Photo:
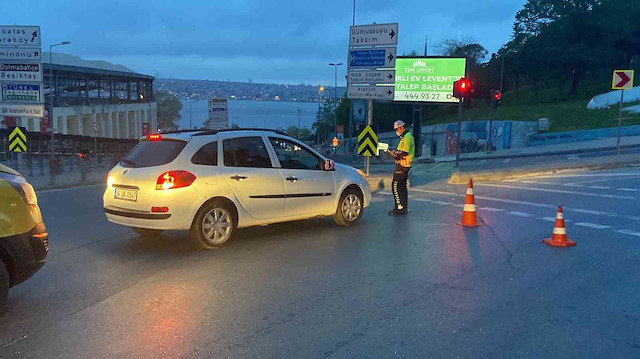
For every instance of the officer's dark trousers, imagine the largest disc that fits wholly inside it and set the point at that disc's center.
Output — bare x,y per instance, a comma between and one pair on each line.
399,187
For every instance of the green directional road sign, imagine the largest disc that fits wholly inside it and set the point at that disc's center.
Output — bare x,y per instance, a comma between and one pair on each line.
17,140
367,142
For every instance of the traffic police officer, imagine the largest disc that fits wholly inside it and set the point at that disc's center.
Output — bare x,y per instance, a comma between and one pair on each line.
404,157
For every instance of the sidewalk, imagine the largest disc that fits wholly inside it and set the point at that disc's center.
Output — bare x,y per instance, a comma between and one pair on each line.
603,144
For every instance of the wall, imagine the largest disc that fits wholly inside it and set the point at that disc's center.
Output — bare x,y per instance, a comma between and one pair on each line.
442,137
554,138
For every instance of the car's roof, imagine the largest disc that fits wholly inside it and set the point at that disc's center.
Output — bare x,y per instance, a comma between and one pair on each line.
186,135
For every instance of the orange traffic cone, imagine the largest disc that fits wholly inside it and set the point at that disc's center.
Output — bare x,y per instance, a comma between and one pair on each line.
559,236
469,210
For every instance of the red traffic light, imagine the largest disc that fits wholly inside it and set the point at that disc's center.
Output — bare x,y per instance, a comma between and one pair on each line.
497,95
461,88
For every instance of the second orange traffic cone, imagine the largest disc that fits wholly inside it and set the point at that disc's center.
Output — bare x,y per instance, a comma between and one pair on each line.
559,237
469,210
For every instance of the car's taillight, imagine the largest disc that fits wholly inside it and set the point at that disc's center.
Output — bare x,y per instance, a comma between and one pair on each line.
175,179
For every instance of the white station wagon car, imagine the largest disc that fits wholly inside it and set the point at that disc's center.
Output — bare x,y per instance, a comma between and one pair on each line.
212,182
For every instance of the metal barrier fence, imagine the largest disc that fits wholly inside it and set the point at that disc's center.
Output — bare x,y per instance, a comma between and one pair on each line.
37,160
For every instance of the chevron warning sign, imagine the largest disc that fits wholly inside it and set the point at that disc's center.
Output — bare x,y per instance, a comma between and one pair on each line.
367,142
17,140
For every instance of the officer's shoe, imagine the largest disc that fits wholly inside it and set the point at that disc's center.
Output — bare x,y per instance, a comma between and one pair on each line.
397,212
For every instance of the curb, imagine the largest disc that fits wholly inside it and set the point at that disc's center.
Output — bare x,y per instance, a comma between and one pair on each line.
553,153
463,177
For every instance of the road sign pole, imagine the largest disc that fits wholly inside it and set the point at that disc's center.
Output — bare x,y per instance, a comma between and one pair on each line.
489,139
620,119
367,159
459,133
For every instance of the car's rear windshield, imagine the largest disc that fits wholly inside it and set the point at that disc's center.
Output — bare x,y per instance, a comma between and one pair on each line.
153,153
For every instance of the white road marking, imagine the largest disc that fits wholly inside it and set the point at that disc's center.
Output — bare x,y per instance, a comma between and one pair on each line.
507,160
553,219
442,203
491,209
512,201
510,180
592,225
482,162
459,205
385,193
599,187
421,199
519,214
607,174
556,191
573,157
628,189
548,183
572,185
628,231
528,182
377,200
587,211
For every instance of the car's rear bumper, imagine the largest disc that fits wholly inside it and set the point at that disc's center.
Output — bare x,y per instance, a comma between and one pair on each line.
143,219
26,252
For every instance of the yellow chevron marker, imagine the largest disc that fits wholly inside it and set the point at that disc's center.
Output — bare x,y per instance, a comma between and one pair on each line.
17,140
367,142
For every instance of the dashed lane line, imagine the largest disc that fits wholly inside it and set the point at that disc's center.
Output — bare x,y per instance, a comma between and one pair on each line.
519,214
572,185
556,191
527,215
627,189
553,219
629,232
528,182
587,211
592,225
491,209
507,160
599,187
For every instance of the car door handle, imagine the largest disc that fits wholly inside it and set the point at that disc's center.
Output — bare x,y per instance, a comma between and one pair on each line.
238,178
292,179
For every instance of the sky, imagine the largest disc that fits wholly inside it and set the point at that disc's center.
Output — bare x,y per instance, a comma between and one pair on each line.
272,41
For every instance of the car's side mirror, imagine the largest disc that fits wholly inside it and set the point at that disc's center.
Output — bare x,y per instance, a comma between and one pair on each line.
329,165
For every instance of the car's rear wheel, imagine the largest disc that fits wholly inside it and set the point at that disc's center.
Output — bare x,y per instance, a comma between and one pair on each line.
350,208
213,226
146,232
5,283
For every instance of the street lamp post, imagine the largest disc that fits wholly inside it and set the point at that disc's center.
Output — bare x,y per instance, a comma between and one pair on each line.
52,87
320,89
191,103
335,96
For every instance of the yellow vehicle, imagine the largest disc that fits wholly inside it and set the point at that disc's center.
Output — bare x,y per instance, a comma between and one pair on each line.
23,236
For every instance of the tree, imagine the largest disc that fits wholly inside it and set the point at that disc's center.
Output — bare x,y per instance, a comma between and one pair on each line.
463,47
301,134
169,107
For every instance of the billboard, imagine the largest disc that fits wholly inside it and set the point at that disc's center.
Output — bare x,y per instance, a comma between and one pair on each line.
427,79
218,114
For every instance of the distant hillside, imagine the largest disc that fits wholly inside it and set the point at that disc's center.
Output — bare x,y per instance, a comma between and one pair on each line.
243,90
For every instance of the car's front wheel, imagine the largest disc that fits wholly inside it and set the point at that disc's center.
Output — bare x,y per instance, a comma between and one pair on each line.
350,208
146,232
213,226
4,286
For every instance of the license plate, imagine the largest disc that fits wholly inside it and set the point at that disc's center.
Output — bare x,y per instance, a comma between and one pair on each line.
126,194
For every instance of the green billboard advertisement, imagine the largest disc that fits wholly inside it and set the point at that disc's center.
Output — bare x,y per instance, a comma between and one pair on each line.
427,79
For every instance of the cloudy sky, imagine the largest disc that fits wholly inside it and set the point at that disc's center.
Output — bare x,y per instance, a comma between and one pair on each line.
278,41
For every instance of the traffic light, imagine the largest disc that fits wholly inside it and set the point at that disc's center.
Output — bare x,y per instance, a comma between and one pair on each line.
461,88
497,96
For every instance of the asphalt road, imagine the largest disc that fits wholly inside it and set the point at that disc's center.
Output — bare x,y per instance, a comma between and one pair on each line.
412,286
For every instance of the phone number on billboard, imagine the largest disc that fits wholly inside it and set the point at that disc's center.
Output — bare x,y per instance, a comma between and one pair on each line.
434,96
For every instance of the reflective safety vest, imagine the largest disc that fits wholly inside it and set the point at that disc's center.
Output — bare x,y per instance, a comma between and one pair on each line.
408,145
